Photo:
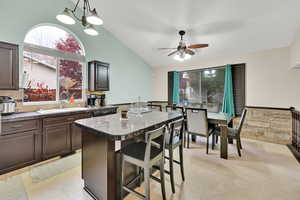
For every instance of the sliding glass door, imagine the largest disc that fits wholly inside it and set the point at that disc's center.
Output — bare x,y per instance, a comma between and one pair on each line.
203,88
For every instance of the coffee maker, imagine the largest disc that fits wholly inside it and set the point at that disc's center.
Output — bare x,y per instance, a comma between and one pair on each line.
94,100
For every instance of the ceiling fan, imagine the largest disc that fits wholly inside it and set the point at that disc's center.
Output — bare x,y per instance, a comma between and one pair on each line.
184,52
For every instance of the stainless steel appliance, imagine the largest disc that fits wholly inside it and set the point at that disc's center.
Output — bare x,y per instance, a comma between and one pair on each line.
7,105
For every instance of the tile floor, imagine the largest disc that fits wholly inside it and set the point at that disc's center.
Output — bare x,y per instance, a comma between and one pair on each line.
265,171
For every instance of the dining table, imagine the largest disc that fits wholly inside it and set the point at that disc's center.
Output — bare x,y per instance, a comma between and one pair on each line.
217,118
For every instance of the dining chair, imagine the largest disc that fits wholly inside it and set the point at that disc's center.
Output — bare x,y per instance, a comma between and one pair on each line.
174,140
170,108
155,107
197,124
145,154
234,133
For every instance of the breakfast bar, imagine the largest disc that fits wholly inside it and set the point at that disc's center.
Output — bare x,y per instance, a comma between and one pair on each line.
102,138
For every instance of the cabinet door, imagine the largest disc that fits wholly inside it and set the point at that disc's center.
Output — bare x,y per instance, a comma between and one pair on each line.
76,132
57,140
9,66
102,77
76,137
19,150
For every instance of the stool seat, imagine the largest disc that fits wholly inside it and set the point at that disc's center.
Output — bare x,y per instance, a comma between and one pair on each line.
138,150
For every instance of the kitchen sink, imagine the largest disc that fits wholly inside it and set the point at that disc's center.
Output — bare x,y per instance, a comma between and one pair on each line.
62,110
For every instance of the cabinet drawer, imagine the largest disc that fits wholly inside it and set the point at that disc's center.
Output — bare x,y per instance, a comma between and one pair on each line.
20,126
58,120
64,119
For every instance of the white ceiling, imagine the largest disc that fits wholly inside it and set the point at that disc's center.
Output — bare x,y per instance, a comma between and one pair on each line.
231,27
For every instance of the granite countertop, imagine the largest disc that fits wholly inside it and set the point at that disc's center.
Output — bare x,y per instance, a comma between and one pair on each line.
118,128
34,115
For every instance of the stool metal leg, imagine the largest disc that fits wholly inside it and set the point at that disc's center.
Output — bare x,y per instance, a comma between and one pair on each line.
122,177
162,179
147,182
171,169
181,161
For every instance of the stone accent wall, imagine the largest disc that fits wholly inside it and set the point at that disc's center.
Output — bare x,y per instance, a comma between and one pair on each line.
268,125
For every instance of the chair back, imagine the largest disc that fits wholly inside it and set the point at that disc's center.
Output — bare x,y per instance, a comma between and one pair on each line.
150,136
176,129
197,121
170,108
240,126
155,107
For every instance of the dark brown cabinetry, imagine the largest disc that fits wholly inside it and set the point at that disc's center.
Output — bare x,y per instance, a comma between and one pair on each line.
9,66
60,135
56,140
98,76
19,148
25,142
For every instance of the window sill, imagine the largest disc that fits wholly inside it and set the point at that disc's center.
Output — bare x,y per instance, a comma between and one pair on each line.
50,103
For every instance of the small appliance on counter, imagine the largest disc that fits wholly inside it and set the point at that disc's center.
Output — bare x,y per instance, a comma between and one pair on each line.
7,105
96,100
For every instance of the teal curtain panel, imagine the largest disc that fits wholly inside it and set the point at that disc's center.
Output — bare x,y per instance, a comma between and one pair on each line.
176,87
228,101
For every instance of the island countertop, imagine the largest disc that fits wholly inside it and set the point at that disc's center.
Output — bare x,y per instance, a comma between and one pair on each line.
120,129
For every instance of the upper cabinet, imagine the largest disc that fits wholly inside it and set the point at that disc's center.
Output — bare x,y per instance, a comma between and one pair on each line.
9,66
98,76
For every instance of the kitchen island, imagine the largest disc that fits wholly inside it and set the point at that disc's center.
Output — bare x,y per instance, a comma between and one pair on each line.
102,138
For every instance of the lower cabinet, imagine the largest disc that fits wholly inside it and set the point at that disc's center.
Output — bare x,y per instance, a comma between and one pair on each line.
19,150
75,137
26,142
56,140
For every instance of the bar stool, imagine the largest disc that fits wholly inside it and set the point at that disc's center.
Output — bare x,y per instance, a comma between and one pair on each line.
173,140
145,155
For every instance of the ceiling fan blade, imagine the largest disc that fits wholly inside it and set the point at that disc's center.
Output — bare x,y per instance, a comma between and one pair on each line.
188,51
197,46
166,48
170,54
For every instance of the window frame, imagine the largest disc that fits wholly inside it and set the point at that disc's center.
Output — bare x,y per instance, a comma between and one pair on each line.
243,101
58,54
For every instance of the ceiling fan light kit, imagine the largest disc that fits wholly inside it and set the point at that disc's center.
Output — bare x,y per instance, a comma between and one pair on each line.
184,52
89,18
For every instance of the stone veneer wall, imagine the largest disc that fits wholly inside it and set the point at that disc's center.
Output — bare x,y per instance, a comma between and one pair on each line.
268,125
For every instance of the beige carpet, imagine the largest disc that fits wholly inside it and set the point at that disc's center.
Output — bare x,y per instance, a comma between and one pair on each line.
265,172
56,167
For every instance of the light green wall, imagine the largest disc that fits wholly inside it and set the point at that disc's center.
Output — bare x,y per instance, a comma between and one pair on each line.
130,76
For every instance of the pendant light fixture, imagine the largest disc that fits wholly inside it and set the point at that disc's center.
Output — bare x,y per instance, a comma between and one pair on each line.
89,18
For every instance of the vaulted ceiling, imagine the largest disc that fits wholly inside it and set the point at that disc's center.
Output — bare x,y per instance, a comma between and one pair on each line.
231,27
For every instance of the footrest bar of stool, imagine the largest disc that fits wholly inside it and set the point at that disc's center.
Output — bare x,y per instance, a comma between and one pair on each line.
134,179
155,178
177,162
134,193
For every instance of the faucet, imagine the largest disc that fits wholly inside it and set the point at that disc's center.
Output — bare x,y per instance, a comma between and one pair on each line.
61,104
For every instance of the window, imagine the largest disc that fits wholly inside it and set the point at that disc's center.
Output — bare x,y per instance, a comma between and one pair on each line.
53,65
203,88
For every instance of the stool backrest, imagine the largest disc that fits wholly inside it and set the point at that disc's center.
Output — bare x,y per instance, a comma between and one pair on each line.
197,120
176,129
150,136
